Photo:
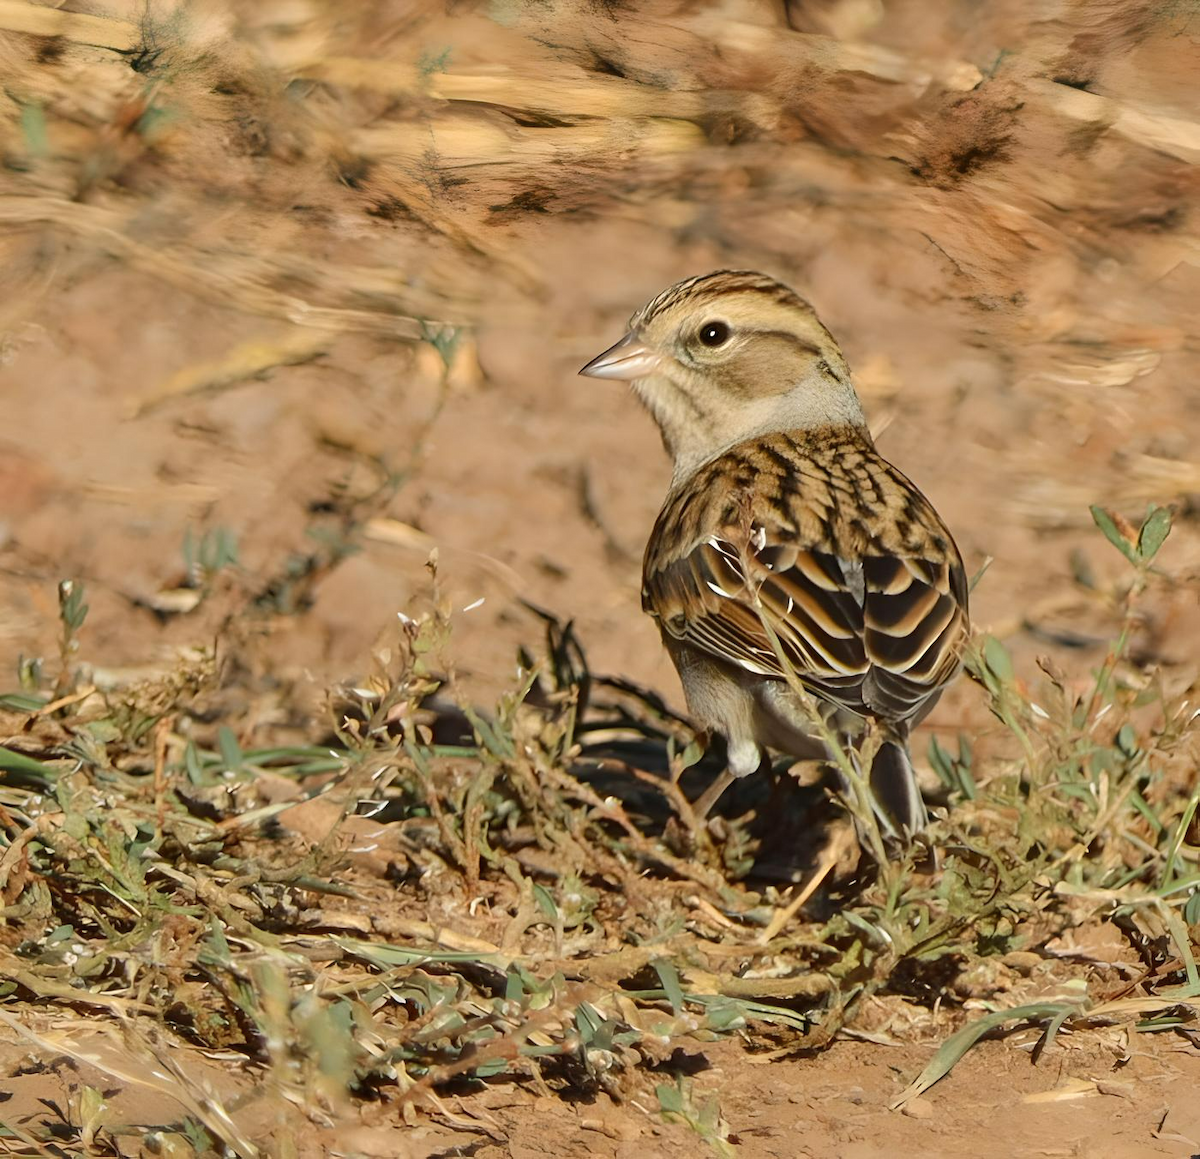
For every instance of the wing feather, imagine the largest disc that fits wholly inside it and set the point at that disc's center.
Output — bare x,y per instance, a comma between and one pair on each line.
847,562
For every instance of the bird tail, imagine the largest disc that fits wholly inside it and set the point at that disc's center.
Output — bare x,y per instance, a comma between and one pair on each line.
897,794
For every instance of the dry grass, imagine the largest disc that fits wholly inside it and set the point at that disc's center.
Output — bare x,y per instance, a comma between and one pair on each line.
410,895
181,141
503,914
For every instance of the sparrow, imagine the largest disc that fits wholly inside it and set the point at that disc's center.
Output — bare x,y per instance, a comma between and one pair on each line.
787,539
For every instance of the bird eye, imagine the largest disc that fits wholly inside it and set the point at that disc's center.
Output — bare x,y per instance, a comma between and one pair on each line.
714,333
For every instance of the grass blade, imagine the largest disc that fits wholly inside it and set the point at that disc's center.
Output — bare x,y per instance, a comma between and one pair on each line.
957,1045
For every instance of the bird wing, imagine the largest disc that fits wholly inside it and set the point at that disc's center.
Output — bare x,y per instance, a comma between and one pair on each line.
830,546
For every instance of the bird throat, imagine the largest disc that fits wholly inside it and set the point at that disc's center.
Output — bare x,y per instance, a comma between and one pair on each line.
696,427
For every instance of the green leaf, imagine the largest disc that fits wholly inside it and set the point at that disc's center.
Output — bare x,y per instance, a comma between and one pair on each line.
20,702
874,936
997,659
957,1045
192,764
1048,1035
724,1016
1127,740
71,606
1140,804
669,977
1183,946
388,957
964,750
1181,828
26,772
587,1022
514,988
940,760
18,762
545,901
1155,529
670,1098
216,945
494,740
1104,521
1191,911
231,751
105,731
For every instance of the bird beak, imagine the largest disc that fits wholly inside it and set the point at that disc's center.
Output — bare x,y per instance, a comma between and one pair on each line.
629,359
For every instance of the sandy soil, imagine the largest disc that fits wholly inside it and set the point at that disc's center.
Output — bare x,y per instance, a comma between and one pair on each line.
1084,1099
1008,253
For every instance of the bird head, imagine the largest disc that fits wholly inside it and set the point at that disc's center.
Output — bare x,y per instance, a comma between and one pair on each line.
727,356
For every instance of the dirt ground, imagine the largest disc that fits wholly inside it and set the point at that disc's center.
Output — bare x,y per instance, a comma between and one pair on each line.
1084,1100
208,331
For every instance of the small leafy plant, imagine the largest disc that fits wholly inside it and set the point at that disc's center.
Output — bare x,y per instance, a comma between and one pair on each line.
527,919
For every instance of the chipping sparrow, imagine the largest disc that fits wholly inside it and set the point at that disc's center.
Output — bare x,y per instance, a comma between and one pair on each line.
782,514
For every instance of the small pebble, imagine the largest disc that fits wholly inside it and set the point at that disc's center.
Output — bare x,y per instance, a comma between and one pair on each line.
918,1109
